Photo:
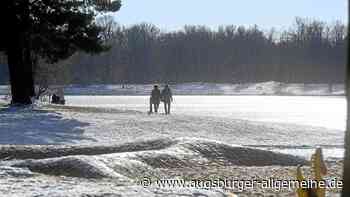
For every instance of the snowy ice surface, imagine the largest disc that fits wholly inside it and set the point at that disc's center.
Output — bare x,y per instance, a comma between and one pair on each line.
97,126
205,128
247,120
200,136
329,112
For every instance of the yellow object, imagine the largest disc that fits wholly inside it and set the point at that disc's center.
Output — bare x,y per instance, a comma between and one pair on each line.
302,192
319,169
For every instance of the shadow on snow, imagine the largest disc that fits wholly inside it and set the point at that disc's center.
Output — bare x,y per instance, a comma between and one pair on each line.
30,126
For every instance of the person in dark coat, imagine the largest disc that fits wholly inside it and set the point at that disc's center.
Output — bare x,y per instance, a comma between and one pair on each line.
155,99
167,98
55,99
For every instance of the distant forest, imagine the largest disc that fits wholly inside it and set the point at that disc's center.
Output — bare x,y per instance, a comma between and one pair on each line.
310,51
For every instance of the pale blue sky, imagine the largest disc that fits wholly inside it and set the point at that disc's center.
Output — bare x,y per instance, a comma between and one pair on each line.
174,14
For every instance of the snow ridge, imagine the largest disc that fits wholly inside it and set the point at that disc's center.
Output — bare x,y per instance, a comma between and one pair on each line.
183,152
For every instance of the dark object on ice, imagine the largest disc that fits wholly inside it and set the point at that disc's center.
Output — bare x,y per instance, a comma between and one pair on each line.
155,99
167,98
57,100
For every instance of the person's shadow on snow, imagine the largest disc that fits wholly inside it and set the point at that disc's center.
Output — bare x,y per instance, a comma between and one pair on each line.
27,126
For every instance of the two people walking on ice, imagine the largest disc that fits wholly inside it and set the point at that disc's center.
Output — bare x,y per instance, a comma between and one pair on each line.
157,96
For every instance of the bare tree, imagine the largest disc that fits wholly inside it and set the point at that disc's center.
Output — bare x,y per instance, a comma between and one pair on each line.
309,52
109,27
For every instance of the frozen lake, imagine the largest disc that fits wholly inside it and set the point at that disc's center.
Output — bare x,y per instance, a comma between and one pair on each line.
328,112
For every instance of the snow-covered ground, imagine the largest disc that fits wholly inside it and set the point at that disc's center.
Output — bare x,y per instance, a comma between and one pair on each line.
110,125
81,125
112,148
103,145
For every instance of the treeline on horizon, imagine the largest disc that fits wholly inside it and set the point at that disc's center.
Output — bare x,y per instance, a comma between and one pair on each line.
310,51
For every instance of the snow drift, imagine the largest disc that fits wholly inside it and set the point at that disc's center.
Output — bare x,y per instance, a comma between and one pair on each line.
144,157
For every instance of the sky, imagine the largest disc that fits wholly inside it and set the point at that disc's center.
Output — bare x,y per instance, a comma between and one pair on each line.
174,14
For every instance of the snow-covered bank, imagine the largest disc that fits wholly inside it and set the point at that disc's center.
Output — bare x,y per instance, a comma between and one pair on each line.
18,182
106,151
199,88
88,126
85,173
67,125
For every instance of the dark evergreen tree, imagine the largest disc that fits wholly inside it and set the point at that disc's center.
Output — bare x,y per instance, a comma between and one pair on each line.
50,30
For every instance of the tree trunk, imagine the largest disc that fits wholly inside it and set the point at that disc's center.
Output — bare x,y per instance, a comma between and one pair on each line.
19,54
20,68
346,173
